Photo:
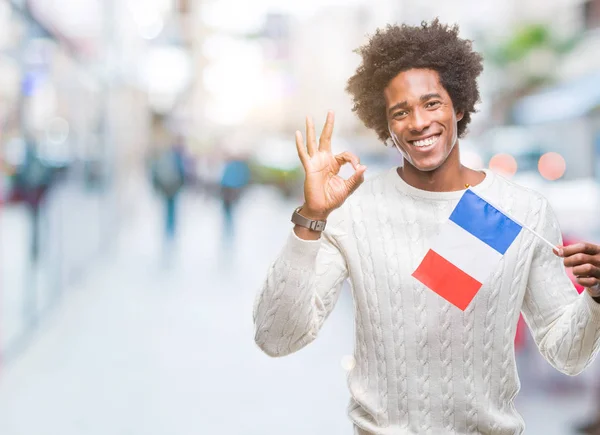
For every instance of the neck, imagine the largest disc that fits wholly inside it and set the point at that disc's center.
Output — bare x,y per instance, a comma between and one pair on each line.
450,176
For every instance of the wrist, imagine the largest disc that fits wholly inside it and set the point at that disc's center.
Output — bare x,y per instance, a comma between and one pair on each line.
594,292
306,233
313,214
309,225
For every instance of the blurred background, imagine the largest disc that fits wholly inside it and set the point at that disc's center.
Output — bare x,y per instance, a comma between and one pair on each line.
148,175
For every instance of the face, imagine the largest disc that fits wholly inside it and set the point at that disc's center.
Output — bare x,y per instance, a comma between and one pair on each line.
421,118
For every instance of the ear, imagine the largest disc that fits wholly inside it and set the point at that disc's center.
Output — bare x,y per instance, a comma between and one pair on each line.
459,116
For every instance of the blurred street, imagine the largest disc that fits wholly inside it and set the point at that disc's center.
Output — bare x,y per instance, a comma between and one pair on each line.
147,347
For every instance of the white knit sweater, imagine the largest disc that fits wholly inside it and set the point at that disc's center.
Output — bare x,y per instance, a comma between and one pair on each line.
422,365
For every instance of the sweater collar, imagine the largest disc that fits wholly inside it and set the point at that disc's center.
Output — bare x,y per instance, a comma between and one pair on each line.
407,189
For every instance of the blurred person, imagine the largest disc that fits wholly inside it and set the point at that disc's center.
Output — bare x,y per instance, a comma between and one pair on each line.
591,426
32,180
168,177
422,365
235,178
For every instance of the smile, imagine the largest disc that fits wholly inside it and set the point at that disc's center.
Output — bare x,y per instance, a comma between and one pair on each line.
425,142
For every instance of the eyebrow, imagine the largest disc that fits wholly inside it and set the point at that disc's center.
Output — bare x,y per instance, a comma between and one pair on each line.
404,104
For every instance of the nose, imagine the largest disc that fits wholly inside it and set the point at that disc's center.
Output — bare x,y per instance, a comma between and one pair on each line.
419,121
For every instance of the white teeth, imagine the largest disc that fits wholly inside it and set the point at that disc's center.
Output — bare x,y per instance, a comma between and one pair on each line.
425,142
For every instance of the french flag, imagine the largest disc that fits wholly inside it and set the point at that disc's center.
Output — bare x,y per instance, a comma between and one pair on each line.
467,250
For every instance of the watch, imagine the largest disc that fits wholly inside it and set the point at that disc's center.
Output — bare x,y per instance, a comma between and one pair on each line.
298,219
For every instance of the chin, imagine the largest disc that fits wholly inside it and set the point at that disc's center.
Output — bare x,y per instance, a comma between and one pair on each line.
426,166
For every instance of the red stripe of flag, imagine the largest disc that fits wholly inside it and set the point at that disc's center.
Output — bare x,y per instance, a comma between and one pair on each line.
447,280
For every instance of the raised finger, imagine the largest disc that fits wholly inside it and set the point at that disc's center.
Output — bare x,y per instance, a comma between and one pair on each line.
580,248
311,142
348,157
578,259
301,149
325,139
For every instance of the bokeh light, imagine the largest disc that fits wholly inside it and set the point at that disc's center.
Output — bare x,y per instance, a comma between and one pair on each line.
348,362
505,164
57,130
552,166
471,159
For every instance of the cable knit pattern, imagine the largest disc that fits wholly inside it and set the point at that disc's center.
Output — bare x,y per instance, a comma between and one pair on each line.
559,320
362,369
505,204
469,368
442,211
506,391
446,357
273,305
422,365
366,263
422,359
394,297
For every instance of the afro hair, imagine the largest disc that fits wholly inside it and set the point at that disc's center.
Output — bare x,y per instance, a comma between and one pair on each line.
395,49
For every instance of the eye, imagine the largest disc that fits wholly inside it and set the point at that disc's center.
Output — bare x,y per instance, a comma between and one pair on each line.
432,104
400,114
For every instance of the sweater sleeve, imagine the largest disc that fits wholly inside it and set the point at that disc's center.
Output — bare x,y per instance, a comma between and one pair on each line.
300,291
564,324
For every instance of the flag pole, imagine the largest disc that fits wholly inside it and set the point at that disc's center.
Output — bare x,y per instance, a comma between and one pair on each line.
542,238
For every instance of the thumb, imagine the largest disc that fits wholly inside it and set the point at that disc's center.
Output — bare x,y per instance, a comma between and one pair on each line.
356,179
557,250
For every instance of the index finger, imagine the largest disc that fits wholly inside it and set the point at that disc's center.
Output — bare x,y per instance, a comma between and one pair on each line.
580,248
348,157
325,139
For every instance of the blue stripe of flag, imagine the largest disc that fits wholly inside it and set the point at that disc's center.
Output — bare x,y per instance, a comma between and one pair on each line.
485,222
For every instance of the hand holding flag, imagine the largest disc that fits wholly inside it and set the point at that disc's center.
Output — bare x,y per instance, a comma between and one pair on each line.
584,258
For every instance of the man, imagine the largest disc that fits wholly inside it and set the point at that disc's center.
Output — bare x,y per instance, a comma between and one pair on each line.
32,182
423,366
235,178
168,177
